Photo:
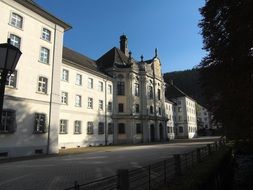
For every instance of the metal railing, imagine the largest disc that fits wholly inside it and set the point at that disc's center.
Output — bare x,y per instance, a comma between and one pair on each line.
154,175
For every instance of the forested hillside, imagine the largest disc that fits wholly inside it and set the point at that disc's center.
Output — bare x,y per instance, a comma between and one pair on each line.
188,82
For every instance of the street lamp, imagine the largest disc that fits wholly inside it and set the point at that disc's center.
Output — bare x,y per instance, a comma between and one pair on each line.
9,56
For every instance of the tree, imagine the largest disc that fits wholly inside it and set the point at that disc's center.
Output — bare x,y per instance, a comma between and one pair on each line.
226,73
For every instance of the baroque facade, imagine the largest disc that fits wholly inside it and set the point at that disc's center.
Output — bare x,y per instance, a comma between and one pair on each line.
58,98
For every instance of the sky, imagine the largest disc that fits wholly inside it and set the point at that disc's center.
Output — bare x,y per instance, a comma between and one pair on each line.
171,26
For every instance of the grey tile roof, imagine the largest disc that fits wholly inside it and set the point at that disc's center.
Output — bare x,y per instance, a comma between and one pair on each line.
114,57
77,58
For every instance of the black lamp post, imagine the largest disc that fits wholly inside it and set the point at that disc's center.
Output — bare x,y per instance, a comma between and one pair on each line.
9,56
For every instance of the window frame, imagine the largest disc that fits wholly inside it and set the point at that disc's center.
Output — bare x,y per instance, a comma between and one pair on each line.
121,128
42,58
138,128
120,88
101,104
100,86
66,97
11,76
43,36
120,108
79,131
101,128
90,103
63,128
90,128
90,83
16,36
12,120
79,81
79,102
46,83
16,25
37,128
65,75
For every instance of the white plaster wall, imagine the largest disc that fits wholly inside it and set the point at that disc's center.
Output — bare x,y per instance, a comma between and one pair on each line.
24,98
71,113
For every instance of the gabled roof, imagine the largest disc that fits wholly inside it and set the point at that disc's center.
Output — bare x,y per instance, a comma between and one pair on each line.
173,91
77,58
114,57
30,4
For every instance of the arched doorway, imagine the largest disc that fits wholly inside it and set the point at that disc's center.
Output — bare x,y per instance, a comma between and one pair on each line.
161,131
152,133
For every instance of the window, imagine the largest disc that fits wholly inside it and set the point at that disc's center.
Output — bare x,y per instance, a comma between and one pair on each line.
136,90
78,101
65,75
137,108
15,40
109,89
180,129
42,85
78,79
179,109
121,107
16,20
64,97
150,92
100,86
89,128
46,34
8,121
179,102
109,106
101,104
90,103
101,128
44,55
77,125
138,128
11,80
159,111
121,128
110,128
63,126
159,94
179,118
90,83
40,123
151,110
121,88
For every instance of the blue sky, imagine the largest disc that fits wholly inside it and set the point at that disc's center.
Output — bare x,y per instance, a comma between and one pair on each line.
169,25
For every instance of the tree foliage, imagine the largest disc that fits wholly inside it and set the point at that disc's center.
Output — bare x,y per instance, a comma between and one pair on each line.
226,72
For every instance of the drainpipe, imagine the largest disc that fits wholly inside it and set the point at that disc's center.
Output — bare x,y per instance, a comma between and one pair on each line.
106,134
51,94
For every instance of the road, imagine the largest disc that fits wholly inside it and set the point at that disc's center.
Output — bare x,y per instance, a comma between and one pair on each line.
60,172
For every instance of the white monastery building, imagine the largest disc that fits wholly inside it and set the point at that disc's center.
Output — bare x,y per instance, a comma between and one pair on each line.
59,98
185,119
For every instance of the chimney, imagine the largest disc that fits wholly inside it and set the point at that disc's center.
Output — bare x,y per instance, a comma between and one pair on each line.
123,44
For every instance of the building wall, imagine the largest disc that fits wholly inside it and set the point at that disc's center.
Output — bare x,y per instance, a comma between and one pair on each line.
170,123
71,112
185,117
25,98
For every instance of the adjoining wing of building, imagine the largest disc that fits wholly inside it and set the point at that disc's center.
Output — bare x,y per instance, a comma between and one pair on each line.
59,98
185,119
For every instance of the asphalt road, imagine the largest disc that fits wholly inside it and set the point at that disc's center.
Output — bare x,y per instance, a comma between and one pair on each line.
61,172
